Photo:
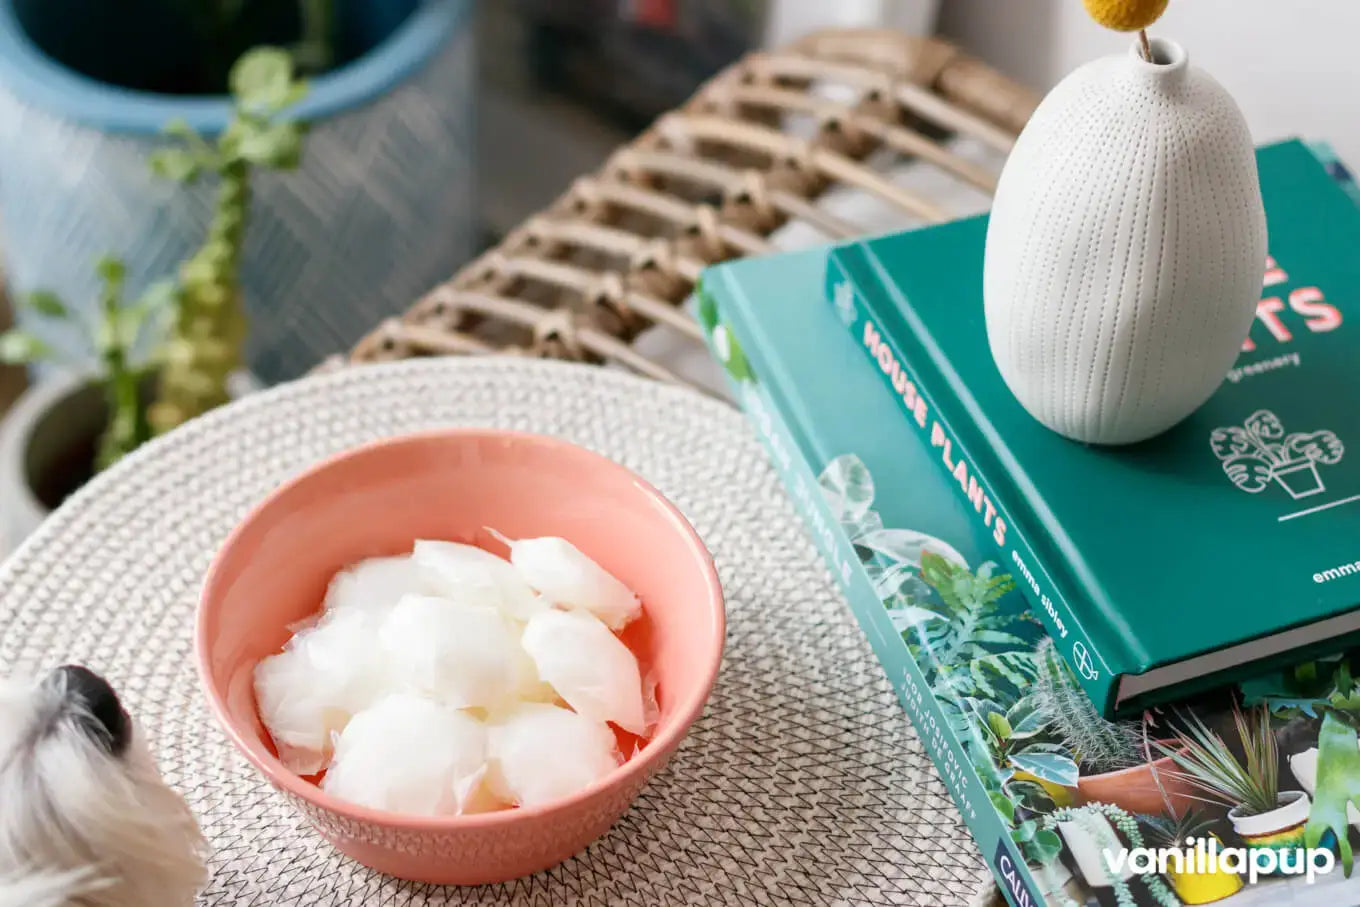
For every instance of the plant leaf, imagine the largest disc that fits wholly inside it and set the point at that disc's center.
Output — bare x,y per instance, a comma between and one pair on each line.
1230,442
110,269
1018,668
1250,473
1042,747
1051,767
995,637
262,80
1045,846
46,303
905,618
896,580
706,310
1265,424
1025,718
278,145
906,546
870,522
20,348
1003,805
179,128
1323,446
1338,787
176,164
848,488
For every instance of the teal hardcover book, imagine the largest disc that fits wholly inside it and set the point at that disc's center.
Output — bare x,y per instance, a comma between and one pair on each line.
1229,544
1047,787
996,708
874,507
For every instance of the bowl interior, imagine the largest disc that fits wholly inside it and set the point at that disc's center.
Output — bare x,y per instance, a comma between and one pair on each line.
377,500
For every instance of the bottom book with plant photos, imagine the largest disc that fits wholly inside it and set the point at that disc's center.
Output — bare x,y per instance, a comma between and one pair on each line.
1262,780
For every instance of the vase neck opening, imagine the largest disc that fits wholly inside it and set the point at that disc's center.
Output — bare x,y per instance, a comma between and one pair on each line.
1169,60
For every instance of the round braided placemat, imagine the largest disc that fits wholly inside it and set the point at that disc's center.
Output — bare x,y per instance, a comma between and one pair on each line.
803,782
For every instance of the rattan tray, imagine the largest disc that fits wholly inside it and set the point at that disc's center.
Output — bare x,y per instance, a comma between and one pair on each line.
753,152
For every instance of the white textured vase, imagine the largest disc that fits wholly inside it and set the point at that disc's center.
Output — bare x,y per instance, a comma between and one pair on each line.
1126,248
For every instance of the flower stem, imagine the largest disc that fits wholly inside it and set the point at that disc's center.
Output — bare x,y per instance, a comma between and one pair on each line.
1147,45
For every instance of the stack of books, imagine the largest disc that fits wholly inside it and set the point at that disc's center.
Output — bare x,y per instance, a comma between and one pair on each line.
1108,652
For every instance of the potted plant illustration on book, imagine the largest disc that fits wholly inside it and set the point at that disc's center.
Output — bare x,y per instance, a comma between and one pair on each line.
1193,884
1323,699
1017,746
1115,764
1259,452
1094,830
967,638
1265,817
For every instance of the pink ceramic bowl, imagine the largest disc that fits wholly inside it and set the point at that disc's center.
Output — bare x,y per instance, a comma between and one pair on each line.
376,500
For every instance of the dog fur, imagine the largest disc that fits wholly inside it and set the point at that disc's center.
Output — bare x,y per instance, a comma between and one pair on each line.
85,822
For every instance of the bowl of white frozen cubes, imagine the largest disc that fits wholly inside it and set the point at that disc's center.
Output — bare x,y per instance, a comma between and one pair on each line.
461,653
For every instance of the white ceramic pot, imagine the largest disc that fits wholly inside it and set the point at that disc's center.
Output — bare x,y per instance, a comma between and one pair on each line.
1126,248
1292,813
1088,852
1304,767
50,429
47,445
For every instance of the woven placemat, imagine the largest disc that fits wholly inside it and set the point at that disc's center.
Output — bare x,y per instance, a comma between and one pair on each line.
803,782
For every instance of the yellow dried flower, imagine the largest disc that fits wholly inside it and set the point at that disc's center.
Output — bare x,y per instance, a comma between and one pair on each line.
1125,15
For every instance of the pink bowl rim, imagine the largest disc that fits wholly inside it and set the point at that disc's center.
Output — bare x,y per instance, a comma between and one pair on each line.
639,767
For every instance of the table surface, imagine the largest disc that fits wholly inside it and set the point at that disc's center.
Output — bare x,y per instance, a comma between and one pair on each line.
802,783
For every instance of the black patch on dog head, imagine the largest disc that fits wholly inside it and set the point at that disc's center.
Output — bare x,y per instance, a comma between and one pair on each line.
95,707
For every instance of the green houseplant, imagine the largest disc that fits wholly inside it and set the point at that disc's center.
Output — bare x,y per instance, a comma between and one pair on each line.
1014,741
379,210
1022,804
114,336
205,346
1329,771
966,629
189,330
1191,885
1115,764
1248,782
1094,829
949,615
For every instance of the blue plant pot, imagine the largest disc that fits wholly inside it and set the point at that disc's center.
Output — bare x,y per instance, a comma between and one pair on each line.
381,209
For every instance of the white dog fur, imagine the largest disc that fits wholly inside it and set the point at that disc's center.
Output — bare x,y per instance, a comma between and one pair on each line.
85,817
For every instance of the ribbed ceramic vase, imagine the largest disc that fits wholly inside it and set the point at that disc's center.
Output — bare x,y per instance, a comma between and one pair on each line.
1126,248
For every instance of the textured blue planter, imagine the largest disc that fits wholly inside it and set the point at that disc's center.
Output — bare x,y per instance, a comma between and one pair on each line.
381,209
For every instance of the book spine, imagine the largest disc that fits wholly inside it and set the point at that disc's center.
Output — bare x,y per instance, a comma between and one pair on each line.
926,407
946,751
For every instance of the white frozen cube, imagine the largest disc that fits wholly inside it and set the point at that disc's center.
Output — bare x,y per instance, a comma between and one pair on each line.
530,687
539,753
566,576
377,584
409,754
324,675
472,575
588,666
464,655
